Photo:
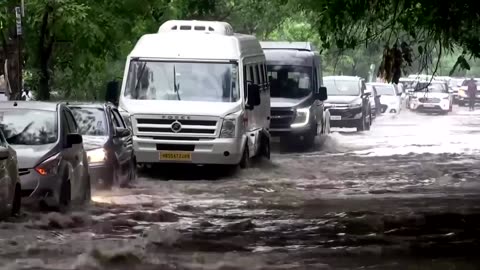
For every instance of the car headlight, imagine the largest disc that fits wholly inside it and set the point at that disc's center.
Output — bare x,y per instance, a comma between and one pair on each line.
354,105
302,117
228,127
97,155
49,166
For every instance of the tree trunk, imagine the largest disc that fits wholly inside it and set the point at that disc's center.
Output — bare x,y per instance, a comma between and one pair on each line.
45,47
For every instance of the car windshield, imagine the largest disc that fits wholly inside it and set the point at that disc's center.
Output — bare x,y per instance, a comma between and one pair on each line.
154,80
385,90
342,87
290,81
29,127
432,87
91,121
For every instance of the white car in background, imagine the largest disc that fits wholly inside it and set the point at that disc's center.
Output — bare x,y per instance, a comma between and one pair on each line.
431,96
390,98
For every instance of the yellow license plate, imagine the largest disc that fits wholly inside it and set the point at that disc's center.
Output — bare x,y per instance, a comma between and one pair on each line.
176,156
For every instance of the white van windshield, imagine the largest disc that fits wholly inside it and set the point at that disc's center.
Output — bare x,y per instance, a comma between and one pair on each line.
154,80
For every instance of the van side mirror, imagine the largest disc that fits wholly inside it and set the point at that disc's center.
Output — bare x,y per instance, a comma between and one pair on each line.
321,94
72,139
112,94
253,96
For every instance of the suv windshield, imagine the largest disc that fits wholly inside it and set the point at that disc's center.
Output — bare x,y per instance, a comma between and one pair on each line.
290,81
342,87
432,87
91,121
154,80
385,90
29,127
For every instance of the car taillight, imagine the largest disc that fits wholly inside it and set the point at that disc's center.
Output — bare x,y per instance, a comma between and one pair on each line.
49,166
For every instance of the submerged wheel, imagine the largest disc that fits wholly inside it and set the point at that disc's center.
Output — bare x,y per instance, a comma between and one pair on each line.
17,201
65,197
361,125
245,161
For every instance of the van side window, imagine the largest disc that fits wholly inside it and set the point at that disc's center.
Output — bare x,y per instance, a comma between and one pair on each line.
263,74
258,80
251,78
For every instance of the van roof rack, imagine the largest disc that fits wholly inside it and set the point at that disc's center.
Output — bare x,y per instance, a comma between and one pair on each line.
222,28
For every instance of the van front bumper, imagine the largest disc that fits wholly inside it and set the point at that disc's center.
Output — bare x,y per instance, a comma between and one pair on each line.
221,151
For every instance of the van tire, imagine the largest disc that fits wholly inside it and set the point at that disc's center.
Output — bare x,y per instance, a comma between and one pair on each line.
245,161
265,147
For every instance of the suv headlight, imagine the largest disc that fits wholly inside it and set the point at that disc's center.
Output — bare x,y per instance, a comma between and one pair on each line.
96,155
302,117
229,125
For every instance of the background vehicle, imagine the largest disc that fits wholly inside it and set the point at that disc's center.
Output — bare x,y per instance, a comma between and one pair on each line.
295,75
374,98
52,163
108,143
197,93
462,96
454,84
348,102
431,96
10,188
390,99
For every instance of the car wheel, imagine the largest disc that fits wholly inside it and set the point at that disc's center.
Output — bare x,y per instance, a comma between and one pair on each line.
369,124
245,161
87,195
266,147
17,201
65,197
361,125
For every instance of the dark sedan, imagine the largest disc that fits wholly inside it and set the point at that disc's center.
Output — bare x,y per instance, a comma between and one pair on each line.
108,142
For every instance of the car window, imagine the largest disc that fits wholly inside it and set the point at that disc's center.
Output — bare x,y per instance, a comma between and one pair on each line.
29,126
339,87
72,125
118,121
91,121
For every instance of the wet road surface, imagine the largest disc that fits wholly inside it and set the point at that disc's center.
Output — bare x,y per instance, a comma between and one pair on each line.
404,195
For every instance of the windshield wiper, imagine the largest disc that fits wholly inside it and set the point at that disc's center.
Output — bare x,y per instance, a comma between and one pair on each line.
175,86
137,83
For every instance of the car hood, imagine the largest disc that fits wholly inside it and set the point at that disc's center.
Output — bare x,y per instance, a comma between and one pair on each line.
343,99
279,102
30,155
94,142
175,107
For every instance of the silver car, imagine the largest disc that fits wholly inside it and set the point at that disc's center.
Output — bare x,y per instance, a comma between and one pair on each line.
53,165
10,190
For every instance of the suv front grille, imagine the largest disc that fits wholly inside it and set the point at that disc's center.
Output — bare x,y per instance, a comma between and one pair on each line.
429,100
281,118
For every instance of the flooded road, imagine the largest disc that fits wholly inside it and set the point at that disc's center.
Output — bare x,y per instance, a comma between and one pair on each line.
404,195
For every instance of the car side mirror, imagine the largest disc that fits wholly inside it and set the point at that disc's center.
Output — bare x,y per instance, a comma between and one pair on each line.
253,96
4,153
367,94
112,93
322,94
122,132
73,139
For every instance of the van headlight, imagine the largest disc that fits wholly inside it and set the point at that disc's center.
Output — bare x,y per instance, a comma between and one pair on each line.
97,155
228,127
302,117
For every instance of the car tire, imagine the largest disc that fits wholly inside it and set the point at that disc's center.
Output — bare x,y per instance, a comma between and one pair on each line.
245,161
367,126
87,195
361,125
266,147
17,201
65,197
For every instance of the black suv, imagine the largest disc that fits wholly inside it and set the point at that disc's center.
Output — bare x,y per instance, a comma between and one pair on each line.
108,142
348,102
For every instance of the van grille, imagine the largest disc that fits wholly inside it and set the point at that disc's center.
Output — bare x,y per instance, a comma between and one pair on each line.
156,126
